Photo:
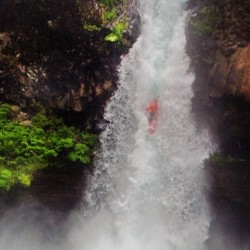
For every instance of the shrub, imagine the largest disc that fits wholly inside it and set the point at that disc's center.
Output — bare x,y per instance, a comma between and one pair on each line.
204,21
109,15
26,149
91,28
116,34
108,2
221,159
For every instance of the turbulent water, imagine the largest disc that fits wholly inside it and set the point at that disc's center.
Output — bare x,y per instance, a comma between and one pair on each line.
147,191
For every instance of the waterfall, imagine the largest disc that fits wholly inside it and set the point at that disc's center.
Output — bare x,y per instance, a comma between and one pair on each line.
147,190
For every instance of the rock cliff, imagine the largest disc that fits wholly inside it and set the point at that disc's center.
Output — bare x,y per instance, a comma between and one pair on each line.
218,43
55,53
63,55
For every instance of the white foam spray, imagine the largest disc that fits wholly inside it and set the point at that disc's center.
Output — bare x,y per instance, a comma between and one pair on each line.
146,193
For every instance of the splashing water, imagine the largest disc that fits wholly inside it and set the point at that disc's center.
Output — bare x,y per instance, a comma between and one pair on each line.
147,189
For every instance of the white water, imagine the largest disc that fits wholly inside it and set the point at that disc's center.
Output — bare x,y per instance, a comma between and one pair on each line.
146,193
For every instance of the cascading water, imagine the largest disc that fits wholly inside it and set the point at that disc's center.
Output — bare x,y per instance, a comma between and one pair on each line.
147,189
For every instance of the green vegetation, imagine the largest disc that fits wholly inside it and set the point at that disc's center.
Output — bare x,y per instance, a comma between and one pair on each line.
204,21
112,17
91,28
221,159
208,60
116,34
30,145
109,15
108,2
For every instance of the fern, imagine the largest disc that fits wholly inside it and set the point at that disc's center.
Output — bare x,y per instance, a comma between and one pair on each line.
116,34
27,149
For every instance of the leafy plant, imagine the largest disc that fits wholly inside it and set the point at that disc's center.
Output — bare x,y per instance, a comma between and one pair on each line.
108,2
91,28
204,21
116,34
26,149
109,15
221,159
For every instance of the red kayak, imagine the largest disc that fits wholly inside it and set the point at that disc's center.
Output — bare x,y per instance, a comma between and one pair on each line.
152,116
152,128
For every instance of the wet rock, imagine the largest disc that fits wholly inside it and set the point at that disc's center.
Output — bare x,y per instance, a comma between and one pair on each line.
59,189
59,62
230,50
239,73
222,103
242,44
5,38
49,59
219,76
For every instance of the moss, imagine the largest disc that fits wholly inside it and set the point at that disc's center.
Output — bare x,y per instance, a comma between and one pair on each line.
108,2
113,17
221,159
109,15
26,149
116,34
204,21
208,60
91,28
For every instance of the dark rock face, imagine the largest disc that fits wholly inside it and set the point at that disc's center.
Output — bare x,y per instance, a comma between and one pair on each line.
229,196
48,58
220,60
60,190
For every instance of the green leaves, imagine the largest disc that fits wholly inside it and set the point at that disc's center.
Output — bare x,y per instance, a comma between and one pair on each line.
108,2
5,179
5,113
204,21
117,32
80,153
111,38
24,179
26,149
110,15
91,27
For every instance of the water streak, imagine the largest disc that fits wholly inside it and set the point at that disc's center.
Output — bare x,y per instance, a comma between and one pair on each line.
147,189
